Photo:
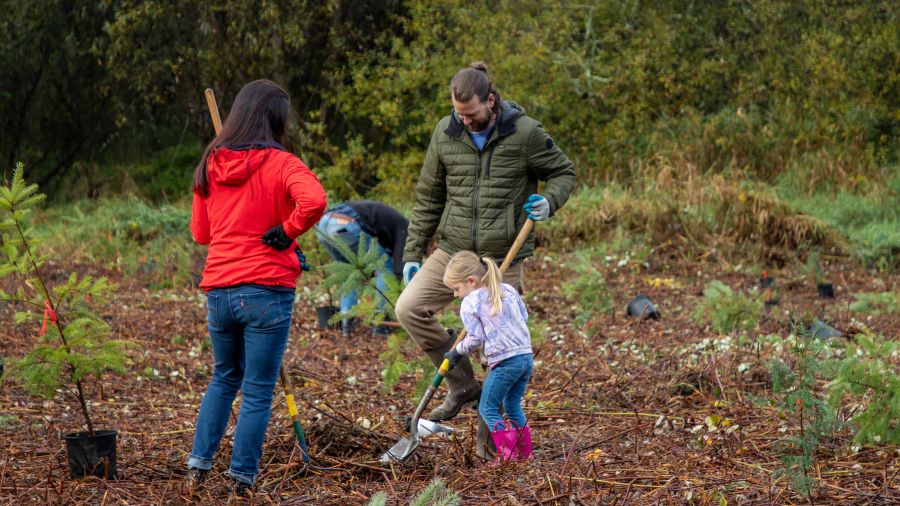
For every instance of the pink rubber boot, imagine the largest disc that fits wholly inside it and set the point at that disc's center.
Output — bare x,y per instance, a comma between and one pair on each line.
512,442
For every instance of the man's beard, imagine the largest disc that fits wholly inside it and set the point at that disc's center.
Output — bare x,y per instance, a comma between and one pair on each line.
481,125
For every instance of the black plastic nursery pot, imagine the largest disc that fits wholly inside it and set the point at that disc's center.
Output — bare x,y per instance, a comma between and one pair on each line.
642,307
92,455
826,290
324,313
770,298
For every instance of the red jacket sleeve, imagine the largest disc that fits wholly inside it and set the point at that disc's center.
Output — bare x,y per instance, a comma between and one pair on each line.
199,220
307,193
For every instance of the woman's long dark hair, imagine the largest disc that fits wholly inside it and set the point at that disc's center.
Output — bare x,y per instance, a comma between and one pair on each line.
260,114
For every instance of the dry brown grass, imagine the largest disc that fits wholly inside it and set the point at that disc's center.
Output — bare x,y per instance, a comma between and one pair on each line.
674,202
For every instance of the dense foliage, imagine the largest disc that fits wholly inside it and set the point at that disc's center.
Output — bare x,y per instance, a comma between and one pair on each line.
757,87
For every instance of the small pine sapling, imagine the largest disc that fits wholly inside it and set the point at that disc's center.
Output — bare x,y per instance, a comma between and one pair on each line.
316,257
74,348
358,272
813,267
798,399
435,494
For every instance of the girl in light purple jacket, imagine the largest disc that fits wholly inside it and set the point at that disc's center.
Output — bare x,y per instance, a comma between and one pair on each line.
494,315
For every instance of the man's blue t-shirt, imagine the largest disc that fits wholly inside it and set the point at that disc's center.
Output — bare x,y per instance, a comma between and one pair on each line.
480,138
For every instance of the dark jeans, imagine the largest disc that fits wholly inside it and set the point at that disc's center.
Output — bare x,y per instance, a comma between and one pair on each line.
248,327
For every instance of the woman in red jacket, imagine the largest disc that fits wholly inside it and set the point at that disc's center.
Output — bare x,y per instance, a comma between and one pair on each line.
251,199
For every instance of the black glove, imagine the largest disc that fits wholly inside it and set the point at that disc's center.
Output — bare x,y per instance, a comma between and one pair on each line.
453,357
276,238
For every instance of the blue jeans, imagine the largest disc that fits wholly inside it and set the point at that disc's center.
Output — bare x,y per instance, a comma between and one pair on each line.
248,327
350,234
505,384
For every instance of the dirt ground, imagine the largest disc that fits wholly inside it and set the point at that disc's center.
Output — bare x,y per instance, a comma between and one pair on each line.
620,410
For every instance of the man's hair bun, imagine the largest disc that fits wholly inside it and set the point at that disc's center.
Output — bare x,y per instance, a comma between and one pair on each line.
478,65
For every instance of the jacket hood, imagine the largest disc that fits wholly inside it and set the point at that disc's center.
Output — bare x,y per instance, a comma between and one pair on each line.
506,120
233,165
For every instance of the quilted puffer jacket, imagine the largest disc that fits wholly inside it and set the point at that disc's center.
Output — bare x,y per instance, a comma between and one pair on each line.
473,199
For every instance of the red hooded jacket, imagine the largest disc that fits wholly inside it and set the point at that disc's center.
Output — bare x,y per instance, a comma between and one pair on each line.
251,191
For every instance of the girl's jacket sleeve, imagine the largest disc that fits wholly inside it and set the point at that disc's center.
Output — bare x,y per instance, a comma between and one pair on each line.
307,193
475,335
199,220
521,305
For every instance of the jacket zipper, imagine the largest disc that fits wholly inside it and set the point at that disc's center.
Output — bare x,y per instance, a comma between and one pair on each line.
475,204
487,174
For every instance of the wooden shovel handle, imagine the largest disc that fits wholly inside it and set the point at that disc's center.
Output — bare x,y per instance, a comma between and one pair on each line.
213,110
517,245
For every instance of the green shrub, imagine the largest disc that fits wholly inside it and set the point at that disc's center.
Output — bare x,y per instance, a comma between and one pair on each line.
675,201
588,288
869,374
167,176
864,209
727,310
876,303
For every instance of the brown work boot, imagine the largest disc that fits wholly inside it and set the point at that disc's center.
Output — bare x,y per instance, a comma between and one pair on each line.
484,443
461,382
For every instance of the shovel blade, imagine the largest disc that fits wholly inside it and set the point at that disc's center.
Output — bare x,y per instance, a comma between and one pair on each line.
427,428
401,450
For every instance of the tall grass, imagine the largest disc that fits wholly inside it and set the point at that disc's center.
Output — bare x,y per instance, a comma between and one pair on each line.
864,209
851,209
704,212
126,234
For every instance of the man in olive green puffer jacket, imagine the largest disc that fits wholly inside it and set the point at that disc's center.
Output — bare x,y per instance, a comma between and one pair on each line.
478,184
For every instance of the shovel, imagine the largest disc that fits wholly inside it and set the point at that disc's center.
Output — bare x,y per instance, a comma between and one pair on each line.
407,445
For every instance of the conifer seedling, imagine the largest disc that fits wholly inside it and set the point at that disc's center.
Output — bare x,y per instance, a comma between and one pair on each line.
72,345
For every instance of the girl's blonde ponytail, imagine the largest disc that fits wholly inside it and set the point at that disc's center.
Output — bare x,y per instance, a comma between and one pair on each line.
492,280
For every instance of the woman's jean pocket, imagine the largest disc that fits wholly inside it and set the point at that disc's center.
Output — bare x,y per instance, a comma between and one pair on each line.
264,308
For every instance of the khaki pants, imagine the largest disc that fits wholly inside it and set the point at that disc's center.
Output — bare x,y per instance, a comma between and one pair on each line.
426,295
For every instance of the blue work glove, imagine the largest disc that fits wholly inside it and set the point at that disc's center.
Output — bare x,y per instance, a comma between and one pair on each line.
276,238
304,265
453,357
537,207
409,270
